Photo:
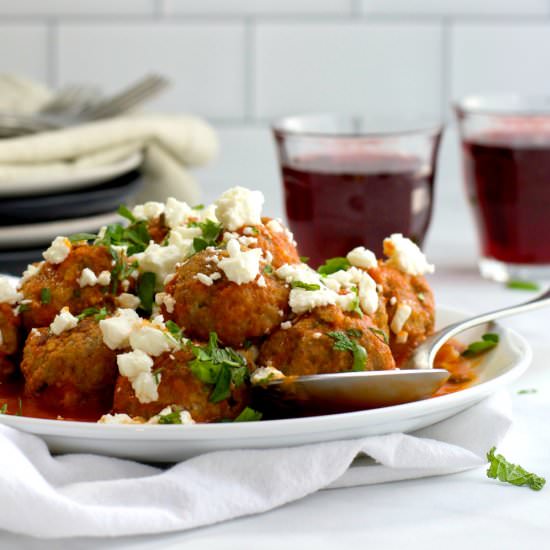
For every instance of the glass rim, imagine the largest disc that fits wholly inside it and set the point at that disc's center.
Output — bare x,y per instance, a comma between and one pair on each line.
503,105
280,127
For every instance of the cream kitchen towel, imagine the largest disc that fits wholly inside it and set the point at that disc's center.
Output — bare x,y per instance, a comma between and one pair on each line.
169,145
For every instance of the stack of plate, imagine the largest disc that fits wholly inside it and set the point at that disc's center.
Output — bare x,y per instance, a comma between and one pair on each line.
33,213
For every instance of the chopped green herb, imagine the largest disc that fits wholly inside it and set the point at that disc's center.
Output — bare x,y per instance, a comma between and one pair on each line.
24,307
501,469
488,341
354,333
124,211
97,313
78,237
421,297
174,330
198,207
305,286
146,290
171,418
380,333
333,265
268,269
45,295
343,342
523,285
248,415
4,408
156,375
254,230
527,391
355,305
135,237
210,234
219,367
304,259
121,270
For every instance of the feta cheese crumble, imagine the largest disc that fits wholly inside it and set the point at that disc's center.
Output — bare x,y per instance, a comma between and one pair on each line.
160,260
118,418
163,298
361,257
184,416
8,293
286,325
58,250
148,211
116,330
240,267
137,367
274,226
127,301
176,212
265,374
87,278
31,271
150,340
63,321
204,279
402,314
238,207
404,255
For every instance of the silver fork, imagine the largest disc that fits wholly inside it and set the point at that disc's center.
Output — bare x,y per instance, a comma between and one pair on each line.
72,98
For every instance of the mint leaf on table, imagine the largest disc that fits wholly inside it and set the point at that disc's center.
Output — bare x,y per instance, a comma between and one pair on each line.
488,341
501,469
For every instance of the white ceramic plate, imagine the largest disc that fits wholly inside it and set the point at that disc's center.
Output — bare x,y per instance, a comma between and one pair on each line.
77,178
169,443
41,234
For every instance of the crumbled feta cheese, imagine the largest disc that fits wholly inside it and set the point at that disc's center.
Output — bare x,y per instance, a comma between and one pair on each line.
160,260
119,418
402,337
166,299
265,374
404,255
216,275
247,241
317,335
393,301
368,296
238,207
148,211
31,271
185,416
182,238
104,278
137,367
63,321
149,339
286,325
402,313
347,280
127,301
87,278
268,257
248,231
240,267
116,330
176,212
208,213
302,300
298,272
204,279
274,226
261,281
361,257
228,235
8,294
58,250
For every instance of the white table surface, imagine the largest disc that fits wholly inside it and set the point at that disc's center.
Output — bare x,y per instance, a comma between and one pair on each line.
464,510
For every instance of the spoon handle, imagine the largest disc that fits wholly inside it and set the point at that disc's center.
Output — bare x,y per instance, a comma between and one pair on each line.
426,356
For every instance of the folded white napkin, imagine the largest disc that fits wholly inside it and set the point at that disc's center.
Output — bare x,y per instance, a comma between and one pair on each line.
170,144
86,495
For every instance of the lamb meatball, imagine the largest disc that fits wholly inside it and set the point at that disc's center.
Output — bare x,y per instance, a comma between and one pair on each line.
401,292
9,341
274,238
55,286
307,347
235,312
70,368
179,386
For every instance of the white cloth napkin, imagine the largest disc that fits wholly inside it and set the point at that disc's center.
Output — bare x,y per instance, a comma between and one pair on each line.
170,144
86,495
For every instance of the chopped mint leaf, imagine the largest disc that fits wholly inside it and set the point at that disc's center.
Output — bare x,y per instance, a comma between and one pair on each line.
78,237
343,342
333,265
501,469
146,290
210,234
523,285
171,418
4,408
488,341
304,259
124,211
24,307
355,305
527,391
305,286
45,295
380,333
248,415
174,330
268,269
97,313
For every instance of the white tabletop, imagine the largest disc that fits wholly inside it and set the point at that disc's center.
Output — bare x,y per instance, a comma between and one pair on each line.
464,510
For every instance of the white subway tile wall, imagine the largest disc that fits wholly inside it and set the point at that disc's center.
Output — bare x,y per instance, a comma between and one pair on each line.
239,63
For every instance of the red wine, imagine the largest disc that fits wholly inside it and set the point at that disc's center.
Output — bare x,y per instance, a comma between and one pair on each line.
336,204
508,185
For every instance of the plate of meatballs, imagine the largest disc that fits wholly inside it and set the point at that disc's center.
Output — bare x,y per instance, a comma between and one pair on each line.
148,339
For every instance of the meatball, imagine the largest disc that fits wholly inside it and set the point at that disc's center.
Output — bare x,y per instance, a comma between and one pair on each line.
308,348
400,289
9,330
237,313
179,386
55,286
70,368
274,238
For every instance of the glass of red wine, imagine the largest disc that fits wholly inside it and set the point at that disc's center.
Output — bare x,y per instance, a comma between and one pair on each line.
349,181
506,159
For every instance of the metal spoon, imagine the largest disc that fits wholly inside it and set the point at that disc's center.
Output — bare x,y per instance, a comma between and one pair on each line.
350,391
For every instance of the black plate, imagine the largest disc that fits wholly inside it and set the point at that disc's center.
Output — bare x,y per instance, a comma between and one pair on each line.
99,199
14,262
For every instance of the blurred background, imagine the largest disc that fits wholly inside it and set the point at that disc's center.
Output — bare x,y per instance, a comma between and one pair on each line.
242,63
